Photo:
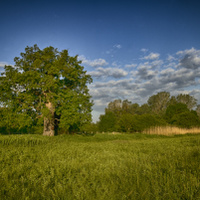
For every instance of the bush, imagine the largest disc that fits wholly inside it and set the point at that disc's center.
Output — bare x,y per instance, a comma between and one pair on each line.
90,128
127,123
179,115
173,111
187,119
138,123
148,120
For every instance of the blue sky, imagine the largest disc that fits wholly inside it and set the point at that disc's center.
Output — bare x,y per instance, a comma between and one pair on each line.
132,49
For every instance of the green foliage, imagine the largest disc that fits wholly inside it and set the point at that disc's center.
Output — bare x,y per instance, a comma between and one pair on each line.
159,102
198,110
138,123
13,122
144,109
161,110
91,128
103,167
188,119
127,122
149,120
45,83
190,101
173,111
107,122
179,115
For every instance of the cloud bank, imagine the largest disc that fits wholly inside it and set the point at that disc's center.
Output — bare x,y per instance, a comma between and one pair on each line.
93,63
179,73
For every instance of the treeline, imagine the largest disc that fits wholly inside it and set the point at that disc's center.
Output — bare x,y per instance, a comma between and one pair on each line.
161,109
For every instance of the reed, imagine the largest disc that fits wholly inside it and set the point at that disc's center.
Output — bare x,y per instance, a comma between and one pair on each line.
171,130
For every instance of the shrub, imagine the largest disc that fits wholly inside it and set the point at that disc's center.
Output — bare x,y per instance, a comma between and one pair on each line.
138,123
187,119
179,115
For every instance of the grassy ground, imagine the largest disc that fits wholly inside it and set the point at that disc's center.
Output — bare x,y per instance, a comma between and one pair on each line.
100,167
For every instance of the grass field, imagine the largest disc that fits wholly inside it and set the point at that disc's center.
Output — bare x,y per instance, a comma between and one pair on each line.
100,167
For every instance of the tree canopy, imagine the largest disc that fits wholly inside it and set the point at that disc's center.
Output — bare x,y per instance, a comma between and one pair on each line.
45,87
161,109
158,102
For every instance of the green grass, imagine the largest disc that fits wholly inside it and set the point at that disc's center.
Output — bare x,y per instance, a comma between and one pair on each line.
100,167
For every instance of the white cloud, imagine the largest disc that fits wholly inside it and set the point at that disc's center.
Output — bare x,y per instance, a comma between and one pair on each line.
2,64
98,62
152,56
103,93
131,65
167,71
114,64
156,63
93,63
187,51
171,58
108,72
190,59
127,84
170,65
144,73
144,50
118,46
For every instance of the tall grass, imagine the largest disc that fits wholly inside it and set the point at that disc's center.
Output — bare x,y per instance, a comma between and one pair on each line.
22,140
170,130
100,167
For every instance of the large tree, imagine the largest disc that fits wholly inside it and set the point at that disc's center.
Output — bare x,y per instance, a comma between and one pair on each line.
49,85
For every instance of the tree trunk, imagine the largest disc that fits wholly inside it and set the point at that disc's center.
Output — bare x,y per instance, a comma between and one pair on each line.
49,126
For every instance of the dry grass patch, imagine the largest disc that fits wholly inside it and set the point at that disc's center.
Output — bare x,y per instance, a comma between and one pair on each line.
170,130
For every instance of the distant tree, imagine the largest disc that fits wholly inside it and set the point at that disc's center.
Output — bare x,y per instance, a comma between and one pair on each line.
172,101
115,106
144,109
126,122
160,110
149,120
188,119
159,102
190,101
107,122
138,123
179,115
126,106
198,110
173,111
134,108
90,128
46,84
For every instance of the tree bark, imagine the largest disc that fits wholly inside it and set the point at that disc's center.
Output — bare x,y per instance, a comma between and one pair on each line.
49,125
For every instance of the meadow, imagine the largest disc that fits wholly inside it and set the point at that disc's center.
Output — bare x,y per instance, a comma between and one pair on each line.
100,167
